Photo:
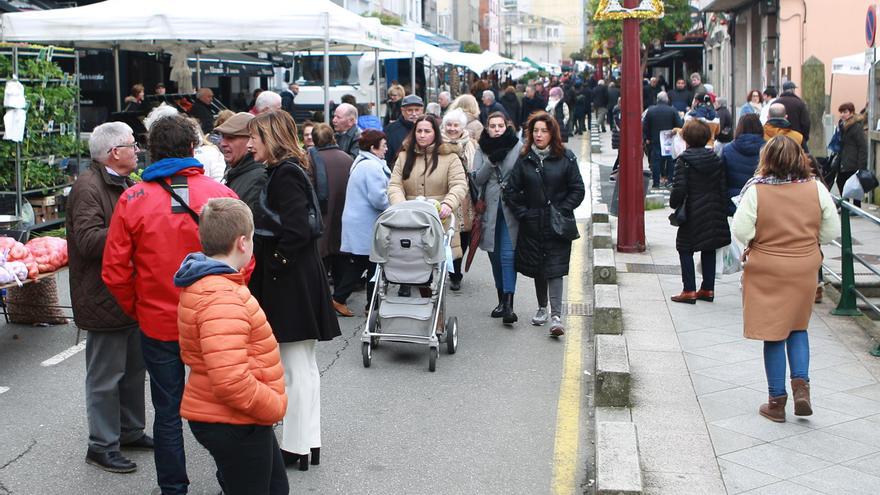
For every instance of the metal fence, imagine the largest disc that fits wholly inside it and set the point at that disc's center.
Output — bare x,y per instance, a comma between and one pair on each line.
847,306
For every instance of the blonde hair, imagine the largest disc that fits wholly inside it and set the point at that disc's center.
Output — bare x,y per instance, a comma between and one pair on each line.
278,132
222,117
222,222
783,157
397,90
467,104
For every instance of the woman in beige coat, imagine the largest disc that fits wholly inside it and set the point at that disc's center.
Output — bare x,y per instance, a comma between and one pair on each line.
453,132
430,168
783,216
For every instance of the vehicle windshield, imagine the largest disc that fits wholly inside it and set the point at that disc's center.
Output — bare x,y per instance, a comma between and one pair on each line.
309,70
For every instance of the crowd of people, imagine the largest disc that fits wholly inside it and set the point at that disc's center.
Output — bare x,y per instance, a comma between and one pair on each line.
247,234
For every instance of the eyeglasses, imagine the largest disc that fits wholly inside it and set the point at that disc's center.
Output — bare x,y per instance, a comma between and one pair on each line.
132,145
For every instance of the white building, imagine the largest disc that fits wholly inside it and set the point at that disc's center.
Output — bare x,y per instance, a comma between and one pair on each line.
538,38
569,13
410,12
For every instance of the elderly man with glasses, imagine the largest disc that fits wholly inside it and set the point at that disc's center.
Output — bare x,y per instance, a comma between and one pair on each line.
114,363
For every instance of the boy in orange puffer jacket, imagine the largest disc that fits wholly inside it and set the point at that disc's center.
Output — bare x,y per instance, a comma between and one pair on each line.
235,391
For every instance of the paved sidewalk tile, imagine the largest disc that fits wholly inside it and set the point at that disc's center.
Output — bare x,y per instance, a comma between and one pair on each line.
697,385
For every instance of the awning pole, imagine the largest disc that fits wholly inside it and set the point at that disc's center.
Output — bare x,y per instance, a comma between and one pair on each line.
376,78
198,70
412,72
326,67
116,78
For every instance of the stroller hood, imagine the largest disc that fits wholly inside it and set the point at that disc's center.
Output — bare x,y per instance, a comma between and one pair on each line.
417,217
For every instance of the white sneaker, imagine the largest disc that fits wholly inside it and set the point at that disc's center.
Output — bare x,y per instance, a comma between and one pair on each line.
556,328
540,317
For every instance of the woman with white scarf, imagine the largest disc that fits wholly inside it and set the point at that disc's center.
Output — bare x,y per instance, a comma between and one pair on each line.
557,107
453,131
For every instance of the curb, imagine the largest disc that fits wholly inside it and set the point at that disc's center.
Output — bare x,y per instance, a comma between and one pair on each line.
868,325
618,468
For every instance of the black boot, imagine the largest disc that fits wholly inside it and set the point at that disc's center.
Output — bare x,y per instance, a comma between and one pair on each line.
316,456
509,317
498,312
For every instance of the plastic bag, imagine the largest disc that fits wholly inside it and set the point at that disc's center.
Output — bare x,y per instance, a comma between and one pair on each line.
50,253
852,189
731,258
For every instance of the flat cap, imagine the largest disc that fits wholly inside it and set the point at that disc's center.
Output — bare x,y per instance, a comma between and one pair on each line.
237,125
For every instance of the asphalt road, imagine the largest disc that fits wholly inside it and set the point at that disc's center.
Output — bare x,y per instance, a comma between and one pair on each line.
484,423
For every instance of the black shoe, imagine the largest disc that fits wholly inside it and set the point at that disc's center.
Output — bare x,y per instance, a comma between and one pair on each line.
316,456
404,291
498,312
112,461
143,443
291,459
455,285
509,317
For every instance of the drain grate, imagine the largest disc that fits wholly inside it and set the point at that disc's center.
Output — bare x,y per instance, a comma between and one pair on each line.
577,309
649,268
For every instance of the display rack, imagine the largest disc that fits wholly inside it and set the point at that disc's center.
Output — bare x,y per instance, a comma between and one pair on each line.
52,134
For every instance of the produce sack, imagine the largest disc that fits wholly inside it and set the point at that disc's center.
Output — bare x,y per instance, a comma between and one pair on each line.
50,253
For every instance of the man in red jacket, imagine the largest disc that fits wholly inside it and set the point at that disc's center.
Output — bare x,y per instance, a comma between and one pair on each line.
151,232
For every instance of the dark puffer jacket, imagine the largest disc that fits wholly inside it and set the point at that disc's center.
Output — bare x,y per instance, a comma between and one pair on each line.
89,209
699,180
853,146
538,251
740,159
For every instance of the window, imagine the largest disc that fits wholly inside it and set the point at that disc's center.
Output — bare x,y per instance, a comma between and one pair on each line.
533,33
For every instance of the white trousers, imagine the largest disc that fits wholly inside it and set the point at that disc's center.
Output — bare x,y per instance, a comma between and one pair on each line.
302,381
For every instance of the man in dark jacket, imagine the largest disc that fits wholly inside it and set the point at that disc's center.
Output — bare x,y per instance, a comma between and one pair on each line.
796,110
600,103
243,175
411,108
287,98
532,102
347,133
613,98
489,106
649,92
725,120
114,364
658,118
201,109
681,98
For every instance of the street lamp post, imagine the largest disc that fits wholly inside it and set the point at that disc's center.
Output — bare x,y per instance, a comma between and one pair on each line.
631,201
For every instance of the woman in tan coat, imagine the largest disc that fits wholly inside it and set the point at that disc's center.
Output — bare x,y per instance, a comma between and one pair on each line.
453,132
783,216
430,168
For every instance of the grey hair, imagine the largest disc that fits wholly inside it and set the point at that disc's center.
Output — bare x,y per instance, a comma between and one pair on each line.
433,108
163,110
456,114
266,100
662,96
777,111
447,94
489,94
721,102
105,137
349,110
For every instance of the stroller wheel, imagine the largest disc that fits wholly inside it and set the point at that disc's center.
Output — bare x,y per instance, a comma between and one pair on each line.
373,327
433,354
367,353
451,335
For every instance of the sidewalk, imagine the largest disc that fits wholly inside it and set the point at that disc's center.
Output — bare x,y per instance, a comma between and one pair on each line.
697,384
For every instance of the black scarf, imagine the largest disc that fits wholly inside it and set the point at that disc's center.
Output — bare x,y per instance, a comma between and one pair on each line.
497,148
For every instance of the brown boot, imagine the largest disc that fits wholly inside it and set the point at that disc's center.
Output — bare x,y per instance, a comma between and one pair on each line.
800,389
706,295
818,295
689,297
774,409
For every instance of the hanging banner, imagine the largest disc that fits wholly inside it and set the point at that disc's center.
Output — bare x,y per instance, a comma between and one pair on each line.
612,10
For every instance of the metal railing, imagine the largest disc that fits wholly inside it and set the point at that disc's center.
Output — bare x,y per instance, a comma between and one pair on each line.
847,306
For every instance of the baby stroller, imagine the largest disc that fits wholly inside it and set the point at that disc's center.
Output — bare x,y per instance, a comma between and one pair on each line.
410,247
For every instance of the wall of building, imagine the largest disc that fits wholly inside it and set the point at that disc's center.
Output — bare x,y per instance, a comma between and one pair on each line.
828,29
570,13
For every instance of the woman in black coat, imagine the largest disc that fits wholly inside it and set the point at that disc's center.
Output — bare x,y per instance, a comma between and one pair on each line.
289,279
511,104
853,145
699,185
740,157
545,173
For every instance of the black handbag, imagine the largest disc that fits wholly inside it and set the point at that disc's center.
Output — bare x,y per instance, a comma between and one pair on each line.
679,217
270,220
563,226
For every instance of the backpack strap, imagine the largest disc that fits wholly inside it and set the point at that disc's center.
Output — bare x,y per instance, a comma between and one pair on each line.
178,204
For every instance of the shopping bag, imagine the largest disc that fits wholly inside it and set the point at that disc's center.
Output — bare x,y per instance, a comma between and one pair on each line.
731,259
852,189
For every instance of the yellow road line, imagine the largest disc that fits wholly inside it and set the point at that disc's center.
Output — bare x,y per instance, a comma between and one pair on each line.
565,450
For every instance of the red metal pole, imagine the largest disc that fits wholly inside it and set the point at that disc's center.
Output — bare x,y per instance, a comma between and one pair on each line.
631,196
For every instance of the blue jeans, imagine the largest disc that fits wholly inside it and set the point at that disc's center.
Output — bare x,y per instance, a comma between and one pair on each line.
661,166
167,378
502,256
798,346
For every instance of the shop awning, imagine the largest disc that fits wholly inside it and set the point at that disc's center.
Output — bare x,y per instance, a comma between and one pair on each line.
726,5
534,64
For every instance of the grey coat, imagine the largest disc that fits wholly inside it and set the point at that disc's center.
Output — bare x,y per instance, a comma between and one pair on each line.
485,176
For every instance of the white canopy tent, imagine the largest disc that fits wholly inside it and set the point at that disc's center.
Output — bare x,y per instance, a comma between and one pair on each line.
851,65
205,26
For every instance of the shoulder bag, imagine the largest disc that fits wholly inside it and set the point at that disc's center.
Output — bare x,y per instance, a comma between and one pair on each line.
272,220
562,225
679,217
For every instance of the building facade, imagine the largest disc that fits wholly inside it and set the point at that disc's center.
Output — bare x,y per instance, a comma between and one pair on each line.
532,36
490,25
569,13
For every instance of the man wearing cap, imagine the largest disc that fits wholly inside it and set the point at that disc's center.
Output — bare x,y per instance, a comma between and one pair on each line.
243,175
796,110
411,108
